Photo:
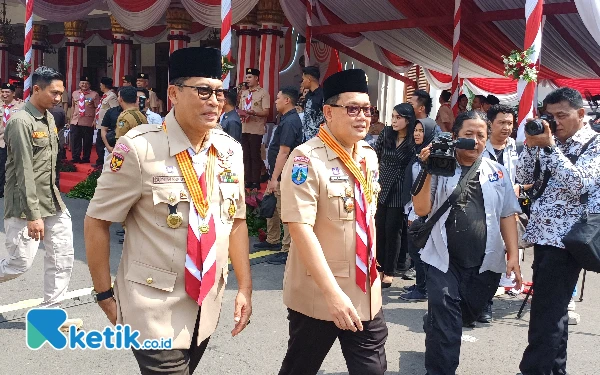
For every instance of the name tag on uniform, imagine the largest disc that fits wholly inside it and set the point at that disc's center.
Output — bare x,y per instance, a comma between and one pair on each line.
167,179
40,134
338,178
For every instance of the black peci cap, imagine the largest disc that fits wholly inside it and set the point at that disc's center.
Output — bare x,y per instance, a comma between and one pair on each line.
7,86
128,78
253,71
352,80
106,81
207,62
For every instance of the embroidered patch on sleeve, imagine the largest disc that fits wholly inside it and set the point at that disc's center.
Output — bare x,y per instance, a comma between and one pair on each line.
116,162
40,135
299,173
302,159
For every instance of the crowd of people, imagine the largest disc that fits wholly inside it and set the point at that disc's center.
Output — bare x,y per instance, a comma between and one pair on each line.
350,201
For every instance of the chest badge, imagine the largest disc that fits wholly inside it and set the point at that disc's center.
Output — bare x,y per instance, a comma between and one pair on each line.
174,219
227,176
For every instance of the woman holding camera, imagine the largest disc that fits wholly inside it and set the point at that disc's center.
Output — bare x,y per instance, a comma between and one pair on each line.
394,148
464,255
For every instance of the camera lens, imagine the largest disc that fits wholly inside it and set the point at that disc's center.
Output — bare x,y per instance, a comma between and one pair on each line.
534,127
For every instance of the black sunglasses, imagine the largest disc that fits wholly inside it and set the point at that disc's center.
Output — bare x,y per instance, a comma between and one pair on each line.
354,110
205,92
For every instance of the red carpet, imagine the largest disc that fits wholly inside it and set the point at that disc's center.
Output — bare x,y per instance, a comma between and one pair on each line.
69,179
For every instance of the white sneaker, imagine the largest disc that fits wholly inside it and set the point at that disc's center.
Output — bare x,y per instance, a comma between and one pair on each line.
78,323
571,306
574,318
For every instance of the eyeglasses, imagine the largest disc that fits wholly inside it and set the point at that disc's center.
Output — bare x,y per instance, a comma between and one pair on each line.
354,110
205,92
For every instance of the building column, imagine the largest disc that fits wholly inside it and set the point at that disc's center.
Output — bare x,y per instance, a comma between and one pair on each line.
248,39
121,51
4,75
74,32
40,33
179,24
270,18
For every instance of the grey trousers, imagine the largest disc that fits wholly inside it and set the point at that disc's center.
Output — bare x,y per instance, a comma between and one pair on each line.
58,261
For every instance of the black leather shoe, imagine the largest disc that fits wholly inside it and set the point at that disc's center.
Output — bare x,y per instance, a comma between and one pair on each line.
486,315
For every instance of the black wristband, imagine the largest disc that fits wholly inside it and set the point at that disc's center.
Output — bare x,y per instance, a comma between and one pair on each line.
104,295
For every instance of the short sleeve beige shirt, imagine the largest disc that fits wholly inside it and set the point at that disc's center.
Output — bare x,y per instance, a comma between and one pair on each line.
108,101
261,100
142,180
319,202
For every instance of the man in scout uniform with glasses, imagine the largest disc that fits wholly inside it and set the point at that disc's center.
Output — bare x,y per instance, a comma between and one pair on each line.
331,285
178,187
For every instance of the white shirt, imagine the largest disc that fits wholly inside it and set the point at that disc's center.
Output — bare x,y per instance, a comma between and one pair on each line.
408,208
153,118
510,157
559,207
499,201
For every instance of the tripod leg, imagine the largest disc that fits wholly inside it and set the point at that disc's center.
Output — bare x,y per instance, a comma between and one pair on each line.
520,313
582,286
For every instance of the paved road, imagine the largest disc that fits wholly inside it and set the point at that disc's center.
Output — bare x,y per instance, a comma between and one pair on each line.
494,349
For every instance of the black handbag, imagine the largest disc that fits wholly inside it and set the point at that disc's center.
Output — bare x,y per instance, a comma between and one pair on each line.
267,206
420,229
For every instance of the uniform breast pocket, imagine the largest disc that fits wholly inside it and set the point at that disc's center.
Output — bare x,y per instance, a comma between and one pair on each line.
41,151
340,207
230,195
177,197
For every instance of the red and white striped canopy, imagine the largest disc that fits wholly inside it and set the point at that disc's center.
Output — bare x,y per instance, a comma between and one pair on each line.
420,32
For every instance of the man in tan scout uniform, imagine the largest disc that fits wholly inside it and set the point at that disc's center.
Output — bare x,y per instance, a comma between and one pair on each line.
174,185
81,129
142,82
107,101
131,115
331,286
254,108
33,208
10,105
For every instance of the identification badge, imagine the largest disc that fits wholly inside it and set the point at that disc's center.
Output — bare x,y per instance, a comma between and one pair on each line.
338,178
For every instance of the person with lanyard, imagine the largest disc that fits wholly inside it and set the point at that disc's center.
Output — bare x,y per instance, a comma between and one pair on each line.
425,131
394,148
464,254
331,286
109,100
287,136
230,120
10,105
34,211
179,189
81,129
313,102
253,110
445,116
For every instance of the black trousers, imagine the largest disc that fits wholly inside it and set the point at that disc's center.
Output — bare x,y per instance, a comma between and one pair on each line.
251,144
172,362
420,281
555,274
388,223
100,149
3,156
82,136
455,297
311,339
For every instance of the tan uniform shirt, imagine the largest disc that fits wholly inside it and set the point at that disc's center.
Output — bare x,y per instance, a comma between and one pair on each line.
445,114
16,106
149,286
92,100
260,101
153,102
128,120
319,202
108,101
32,146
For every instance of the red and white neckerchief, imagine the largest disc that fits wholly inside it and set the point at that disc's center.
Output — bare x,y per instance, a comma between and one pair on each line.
6,113
82,102
247,105
365,246
201,257
98,108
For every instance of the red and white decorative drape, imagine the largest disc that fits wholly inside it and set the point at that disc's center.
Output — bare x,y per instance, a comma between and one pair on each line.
74,63
27,47
248,39
226,37
455,57
269,61
121,56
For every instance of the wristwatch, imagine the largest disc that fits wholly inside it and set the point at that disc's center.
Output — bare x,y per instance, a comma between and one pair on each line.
102,296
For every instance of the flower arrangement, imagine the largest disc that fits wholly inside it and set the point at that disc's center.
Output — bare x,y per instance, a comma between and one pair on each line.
23,69
518,66
226,65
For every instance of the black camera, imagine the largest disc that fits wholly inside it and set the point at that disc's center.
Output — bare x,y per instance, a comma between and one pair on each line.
442,161
536,127
142,103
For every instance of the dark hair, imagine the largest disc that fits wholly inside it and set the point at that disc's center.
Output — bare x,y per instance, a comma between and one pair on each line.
291,93
469,115
44,75
499,108
482,99
333,100
312,71
461,96
231,97
492,99
407,111
565,94
128,94
145,91
423,99
445,95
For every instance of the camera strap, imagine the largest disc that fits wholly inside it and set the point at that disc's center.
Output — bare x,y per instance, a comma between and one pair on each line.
455,194
547,174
